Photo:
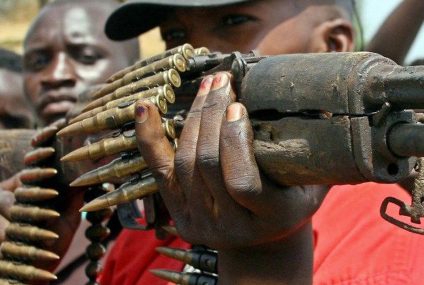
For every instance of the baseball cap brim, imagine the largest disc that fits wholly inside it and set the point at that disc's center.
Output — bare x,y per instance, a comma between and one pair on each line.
136,17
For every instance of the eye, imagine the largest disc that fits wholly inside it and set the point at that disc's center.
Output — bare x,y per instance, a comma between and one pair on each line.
236,19
36,61
174,35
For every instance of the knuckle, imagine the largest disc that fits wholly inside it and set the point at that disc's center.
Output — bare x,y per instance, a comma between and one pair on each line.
244,185
183,162
195,113
162,170
207,158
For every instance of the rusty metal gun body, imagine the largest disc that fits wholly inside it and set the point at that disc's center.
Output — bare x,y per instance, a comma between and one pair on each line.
331,118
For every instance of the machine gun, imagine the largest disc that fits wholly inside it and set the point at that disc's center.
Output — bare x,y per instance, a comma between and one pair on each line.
333,118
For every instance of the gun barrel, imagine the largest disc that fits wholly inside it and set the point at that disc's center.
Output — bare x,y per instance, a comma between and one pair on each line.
407,140
403,85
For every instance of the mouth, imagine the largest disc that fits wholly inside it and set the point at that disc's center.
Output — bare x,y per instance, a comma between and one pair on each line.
54,106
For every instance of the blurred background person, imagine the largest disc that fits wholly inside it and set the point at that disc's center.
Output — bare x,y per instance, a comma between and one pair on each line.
65,53
15,111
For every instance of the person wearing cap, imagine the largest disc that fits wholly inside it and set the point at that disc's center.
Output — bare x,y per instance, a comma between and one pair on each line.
351,243
262,231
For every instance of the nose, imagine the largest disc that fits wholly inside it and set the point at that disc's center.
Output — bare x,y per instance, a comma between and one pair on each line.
60,73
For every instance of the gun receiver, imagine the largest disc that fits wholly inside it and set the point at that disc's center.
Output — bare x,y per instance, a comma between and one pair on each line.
319,113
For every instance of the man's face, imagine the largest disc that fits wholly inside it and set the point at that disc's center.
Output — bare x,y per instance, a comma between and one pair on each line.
273,26
65,52
15,112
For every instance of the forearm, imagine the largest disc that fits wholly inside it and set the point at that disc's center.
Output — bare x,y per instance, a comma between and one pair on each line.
283,262
396,35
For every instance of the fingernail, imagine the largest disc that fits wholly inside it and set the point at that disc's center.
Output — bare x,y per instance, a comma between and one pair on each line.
220,80
205,86
234,112
140,114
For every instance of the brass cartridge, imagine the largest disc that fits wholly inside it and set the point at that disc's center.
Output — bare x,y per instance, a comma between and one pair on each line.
204,260
110,119
25,232
25,272
118,168
171,77
34,194
177,62
202,51
19,251
114,145
27,213
37,155
37,174
186,50
128,192
165,91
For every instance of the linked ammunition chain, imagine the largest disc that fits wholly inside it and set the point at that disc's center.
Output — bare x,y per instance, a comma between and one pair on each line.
202,261
96,233
25,234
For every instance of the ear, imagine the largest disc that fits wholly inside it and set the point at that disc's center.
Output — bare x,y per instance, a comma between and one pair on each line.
333,36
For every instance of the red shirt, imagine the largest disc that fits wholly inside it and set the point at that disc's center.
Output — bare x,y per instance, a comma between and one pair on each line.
353,245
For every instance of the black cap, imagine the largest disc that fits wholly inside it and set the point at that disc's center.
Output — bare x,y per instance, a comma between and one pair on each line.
138,16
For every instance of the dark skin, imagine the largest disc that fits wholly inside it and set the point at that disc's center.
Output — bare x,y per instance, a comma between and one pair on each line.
15,112
62,60
212,185
397,34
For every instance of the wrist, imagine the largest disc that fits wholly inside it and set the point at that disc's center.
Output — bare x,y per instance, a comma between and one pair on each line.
287,261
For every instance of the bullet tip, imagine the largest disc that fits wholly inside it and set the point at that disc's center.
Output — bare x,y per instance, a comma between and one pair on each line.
171,230
69,130
73,120
77,182
77,155
95,205
61,132
156,272
64,158
67,157
167,275
94,104
160,249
